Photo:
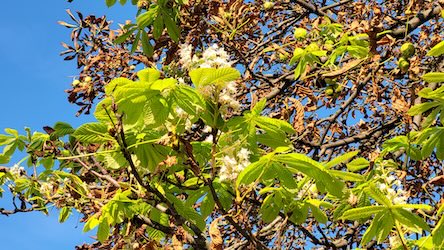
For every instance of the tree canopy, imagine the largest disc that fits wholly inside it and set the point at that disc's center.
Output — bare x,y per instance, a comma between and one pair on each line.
247,125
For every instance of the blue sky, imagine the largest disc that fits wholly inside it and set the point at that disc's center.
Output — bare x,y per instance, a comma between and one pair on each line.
33,80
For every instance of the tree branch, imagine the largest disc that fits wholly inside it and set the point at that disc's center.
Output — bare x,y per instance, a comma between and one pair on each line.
417,21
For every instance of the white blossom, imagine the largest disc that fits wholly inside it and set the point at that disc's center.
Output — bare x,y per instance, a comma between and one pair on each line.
393,189
46,188
244,154
212,57
209,139
206,129
231,167
16,170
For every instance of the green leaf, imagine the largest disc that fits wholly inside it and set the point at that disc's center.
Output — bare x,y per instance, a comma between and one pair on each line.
110,3
377,195
434,77
409,219
414,206
122,38
117,84
62,129
315,170
347,176
361,212
187,212
91,223
437,50
147,18
135,44
158,26
386,223
115,161
148,75
357,164
286,177
438,232
188,99
318,214
206,76
372,230
94,132
150,155
269,208
272,125
259,107
172,28
341,159
103,230
207,205
64,214
422,107
147,48
380,228
251,173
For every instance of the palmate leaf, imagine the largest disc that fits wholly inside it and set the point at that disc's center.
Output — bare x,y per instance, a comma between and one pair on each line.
377,195
438,233
437,50
145,19
94,132
403,142
302,163
380,228
188,99
270,209
251,173
150,155
341,159
206,76
91,223
187,212
409,219
149,75
357,164
347,176
361,212
432,138
64,214
172,28
103,230
115,161
434,77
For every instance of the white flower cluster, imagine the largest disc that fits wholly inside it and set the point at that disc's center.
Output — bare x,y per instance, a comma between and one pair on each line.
393,189
232,166
212,57
46,188
228,100
16,170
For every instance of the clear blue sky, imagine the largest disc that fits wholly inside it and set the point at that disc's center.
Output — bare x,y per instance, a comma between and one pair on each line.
33,80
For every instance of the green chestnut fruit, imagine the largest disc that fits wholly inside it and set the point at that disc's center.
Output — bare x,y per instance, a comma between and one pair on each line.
403,65
407,50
